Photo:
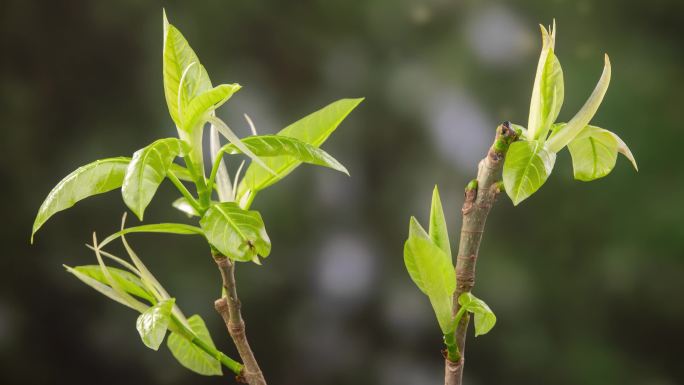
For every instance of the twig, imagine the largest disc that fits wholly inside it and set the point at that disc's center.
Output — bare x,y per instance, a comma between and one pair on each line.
229,309
480,195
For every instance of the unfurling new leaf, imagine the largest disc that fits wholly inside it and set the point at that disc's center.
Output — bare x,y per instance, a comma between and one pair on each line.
548,90
438,228
484,316
594,151
432,271
153,323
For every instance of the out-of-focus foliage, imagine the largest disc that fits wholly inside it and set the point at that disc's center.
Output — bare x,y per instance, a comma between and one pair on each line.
80,80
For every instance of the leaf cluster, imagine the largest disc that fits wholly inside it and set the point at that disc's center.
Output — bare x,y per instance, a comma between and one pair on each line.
221,206
427,256
530,161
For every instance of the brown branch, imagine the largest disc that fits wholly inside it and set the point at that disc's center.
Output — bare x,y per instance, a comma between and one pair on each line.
479,197
229,309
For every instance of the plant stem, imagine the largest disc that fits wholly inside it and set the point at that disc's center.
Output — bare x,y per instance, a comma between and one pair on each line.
480,195
184,191
453,354
229,309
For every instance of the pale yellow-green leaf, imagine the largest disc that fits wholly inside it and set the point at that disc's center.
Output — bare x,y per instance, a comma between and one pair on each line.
584,115
153,323
92,179
526,168
438,227
190,355
433,272
548,89
313,129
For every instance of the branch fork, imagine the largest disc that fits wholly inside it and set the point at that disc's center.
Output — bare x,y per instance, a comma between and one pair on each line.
228,308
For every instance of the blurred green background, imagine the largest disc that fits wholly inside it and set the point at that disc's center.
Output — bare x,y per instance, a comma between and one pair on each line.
586,279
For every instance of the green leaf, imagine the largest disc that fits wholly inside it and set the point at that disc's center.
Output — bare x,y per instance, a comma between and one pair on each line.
190,355
526,168
167,228
438,227
237,233
181,62
182,204
594,153
202,105
415,231
128,281
313,129
584,115
102,288
484,316
277,145
92,179
432,271
548,91
146,171
153,323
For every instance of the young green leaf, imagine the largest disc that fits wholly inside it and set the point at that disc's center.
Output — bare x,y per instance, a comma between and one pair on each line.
129,282
277,145
146,171
584,115
99,286
202,105
237,233
92,179
181,63
313,129
484,316
548,91
153,323
526,168
168,228
190,355
438,227
415,231
594,153
432,271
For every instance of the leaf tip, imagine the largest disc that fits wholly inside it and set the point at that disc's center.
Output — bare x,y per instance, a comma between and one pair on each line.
165,21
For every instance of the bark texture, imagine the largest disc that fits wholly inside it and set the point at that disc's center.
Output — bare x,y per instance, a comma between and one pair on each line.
229,309
479,197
